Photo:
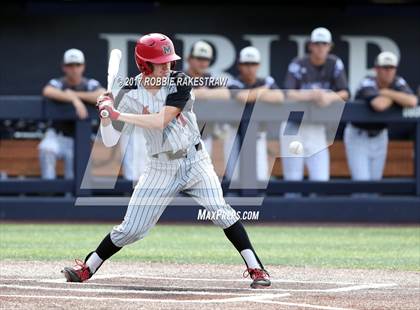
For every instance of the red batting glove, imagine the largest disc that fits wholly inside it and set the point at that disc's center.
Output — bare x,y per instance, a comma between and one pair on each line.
105,98
105,105
107,111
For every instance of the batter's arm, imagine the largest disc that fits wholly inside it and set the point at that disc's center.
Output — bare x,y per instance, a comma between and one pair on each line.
153,121
110,135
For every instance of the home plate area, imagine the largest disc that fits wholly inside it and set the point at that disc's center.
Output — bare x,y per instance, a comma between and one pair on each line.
215,287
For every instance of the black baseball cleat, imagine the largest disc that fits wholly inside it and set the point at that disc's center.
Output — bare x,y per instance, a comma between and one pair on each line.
260,277
78,273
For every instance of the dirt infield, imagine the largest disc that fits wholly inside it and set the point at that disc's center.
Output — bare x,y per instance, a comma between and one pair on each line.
31,285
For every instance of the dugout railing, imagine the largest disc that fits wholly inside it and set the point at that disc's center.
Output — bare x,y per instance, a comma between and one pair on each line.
333,200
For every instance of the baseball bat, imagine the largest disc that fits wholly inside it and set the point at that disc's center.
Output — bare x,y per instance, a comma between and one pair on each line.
113,66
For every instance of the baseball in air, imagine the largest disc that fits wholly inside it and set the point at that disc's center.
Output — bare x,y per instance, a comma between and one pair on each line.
295,147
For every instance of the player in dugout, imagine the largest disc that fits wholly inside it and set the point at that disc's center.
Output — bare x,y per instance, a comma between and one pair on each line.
318,77
367,143
72,88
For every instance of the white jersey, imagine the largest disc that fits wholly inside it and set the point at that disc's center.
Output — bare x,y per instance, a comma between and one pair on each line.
182,132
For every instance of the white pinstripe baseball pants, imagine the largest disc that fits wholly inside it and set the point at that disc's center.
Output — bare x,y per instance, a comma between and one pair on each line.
160,183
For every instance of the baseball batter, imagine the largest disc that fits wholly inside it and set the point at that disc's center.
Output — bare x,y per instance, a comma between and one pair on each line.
178,160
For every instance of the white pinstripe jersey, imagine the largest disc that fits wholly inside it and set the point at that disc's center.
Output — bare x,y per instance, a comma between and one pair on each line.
181,133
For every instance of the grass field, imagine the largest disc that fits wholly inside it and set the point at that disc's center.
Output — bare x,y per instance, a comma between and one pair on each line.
396,248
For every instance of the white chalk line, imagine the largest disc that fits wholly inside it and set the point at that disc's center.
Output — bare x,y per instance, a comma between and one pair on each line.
223,280
91,298
301,305
359,287
213,288
326,290
259,298
112,276
122,291
332,290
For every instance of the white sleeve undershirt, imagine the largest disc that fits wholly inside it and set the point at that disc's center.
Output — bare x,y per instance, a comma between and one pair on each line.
109,135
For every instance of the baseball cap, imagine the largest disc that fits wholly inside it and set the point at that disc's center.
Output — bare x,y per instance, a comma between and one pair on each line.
202,49
249,55
73,56
321,34
386,59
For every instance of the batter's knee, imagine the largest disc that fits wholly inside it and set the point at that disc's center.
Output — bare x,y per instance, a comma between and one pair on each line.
125,234
225,216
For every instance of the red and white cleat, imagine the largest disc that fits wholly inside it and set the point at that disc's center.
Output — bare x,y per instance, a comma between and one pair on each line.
79,273
260,277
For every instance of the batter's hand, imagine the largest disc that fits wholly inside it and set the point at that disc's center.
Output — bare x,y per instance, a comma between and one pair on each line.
105,105
105,99
108,111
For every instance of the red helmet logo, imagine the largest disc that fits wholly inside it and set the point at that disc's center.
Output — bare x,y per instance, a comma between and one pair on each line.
155,48
166,50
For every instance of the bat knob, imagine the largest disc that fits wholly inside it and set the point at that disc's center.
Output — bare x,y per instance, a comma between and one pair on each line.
104,114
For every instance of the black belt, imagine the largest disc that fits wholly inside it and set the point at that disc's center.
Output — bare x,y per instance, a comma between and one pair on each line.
177,155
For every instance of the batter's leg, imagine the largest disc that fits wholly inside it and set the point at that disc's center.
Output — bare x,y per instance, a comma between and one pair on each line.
207,191
156,188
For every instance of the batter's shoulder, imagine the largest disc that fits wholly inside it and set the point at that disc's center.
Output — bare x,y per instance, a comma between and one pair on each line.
179,81
178,75
179,89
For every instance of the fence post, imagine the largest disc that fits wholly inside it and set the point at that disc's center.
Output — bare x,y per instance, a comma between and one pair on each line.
82,148
248,131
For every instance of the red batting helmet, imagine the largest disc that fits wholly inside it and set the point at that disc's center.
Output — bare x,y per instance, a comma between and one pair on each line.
155,48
